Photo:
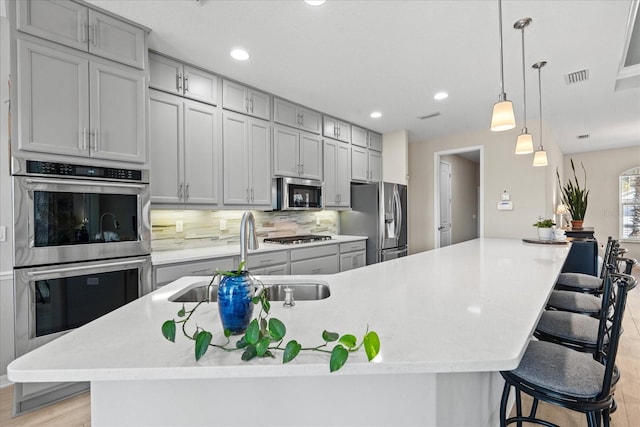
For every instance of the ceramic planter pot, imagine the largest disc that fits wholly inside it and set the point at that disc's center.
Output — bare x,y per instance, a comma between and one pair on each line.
234,302
545,233
577,224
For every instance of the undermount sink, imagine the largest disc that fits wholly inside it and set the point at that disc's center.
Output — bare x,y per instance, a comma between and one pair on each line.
275,292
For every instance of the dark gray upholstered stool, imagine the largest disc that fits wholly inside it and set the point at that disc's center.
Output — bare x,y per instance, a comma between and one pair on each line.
577,302
572,330
562,376
586,283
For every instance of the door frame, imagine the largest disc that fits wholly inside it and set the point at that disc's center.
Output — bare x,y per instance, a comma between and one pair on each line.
436,189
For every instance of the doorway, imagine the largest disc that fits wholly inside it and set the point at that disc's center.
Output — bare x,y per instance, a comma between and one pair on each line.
458,195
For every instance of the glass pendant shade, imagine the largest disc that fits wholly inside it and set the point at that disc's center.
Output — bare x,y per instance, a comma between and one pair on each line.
540,158
524,144
503,117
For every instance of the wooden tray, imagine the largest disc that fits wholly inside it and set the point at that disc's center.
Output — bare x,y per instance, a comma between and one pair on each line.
546,242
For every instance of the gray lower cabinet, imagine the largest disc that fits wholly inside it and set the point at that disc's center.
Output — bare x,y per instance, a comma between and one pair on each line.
99,105
246,144
317,260
353,255
165,274
270,263
80,27
186,152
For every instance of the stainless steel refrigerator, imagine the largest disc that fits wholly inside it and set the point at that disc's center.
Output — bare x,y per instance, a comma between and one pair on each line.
378,211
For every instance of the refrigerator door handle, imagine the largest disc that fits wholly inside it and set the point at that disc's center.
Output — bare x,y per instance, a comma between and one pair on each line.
398,210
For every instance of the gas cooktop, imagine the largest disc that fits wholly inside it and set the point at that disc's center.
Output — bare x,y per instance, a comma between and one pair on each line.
294,240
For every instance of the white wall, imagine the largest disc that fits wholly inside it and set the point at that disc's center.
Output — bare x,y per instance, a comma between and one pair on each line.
603,169
533,190
395,157
6,248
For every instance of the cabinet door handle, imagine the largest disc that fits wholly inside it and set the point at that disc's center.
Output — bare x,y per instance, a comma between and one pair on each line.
248,199
266,261
316,270
251,101
301,119
179,82
186,83
180,191
83,34
252,195
246,104
186,192
96,140
95,35
84,139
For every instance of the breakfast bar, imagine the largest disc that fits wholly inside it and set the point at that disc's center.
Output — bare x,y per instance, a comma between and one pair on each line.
448,320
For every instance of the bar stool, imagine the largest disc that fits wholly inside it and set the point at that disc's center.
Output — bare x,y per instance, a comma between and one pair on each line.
577,302
562,376
581,282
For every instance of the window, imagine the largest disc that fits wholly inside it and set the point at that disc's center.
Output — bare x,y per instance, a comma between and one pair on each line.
630,205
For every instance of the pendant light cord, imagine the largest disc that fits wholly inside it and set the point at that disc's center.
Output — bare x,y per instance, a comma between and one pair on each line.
540,94
502,94
524,82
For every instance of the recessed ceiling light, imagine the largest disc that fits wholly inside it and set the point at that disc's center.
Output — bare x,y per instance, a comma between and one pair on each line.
376,115
440,96
240,54
314,2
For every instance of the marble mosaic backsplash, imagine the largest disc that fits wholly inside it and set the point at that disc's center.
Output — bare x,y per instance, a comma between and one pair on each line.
203,228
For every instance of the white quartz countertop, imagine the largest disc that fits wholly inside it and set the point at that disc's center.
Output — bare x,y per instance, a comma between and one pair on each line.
469,307
159,258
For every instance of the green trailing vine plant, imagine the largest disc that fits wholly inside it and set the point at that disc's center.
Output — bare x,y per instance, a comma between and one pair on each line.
266,334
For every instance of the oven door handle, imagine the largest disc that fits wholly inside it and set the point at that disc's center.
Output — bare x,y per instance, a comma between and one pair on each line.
70,182
85,267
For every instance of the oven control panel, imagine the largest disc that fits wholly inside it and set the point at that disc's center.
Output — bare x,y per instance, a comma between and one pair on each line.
66,169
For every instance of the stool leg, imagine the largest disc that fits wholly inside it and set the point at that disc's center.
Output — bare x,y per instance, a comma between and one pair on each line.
518,407
503,404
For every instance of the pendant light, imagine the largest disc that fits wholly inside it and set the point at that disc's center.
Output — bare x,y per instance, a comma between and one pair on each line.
540,158
502,118
524,143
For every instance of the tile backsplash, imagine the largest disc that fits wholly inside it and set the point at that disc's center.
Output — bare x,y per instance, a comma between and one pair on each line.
202,228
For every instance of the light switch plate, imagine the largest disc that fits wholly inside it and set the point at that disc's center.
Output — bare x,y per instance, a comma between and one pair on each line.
179,226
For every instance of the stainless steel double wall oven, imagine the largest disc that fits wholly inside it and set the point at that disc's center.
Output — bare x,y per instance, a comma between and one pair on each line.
82,247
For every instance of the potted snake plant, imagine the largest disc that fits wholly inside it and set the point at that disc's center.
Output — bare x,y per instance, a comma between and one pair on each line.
575,197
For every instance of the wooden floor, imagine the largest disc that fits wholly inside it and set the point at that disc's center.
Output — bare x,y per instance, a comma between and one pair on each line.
76,412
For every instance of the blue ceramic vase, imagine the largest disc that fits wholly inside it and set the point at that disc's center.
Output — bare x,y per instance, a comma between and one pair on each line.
234,302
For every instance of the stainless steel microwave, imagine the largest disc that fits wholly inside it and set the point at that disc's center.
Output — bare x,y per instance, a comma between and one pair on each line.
294,194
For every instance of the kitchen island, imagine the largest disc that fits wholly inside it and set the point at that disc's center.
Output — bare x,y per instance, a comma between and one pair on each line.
448,321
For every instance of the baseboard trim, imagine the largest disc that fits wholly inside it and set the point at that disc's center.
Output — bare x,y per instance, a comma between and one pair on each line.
4,381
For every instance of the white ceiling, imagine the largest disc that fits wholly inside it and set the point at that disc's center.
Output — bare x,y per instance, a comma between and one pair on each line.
349,58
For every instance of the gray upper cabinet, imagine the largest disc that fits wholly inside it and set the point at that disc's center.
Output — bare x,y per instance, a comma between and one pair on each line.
83,28
297,154
364,138
247,166
336,129
337,174
186,151
99,107
289,114
366,164
375,141
243,99
174,77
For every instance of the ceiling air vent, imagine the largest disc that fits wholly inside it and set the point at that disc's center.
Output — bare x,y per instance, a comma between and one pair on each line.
577,76
584,136
428,116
